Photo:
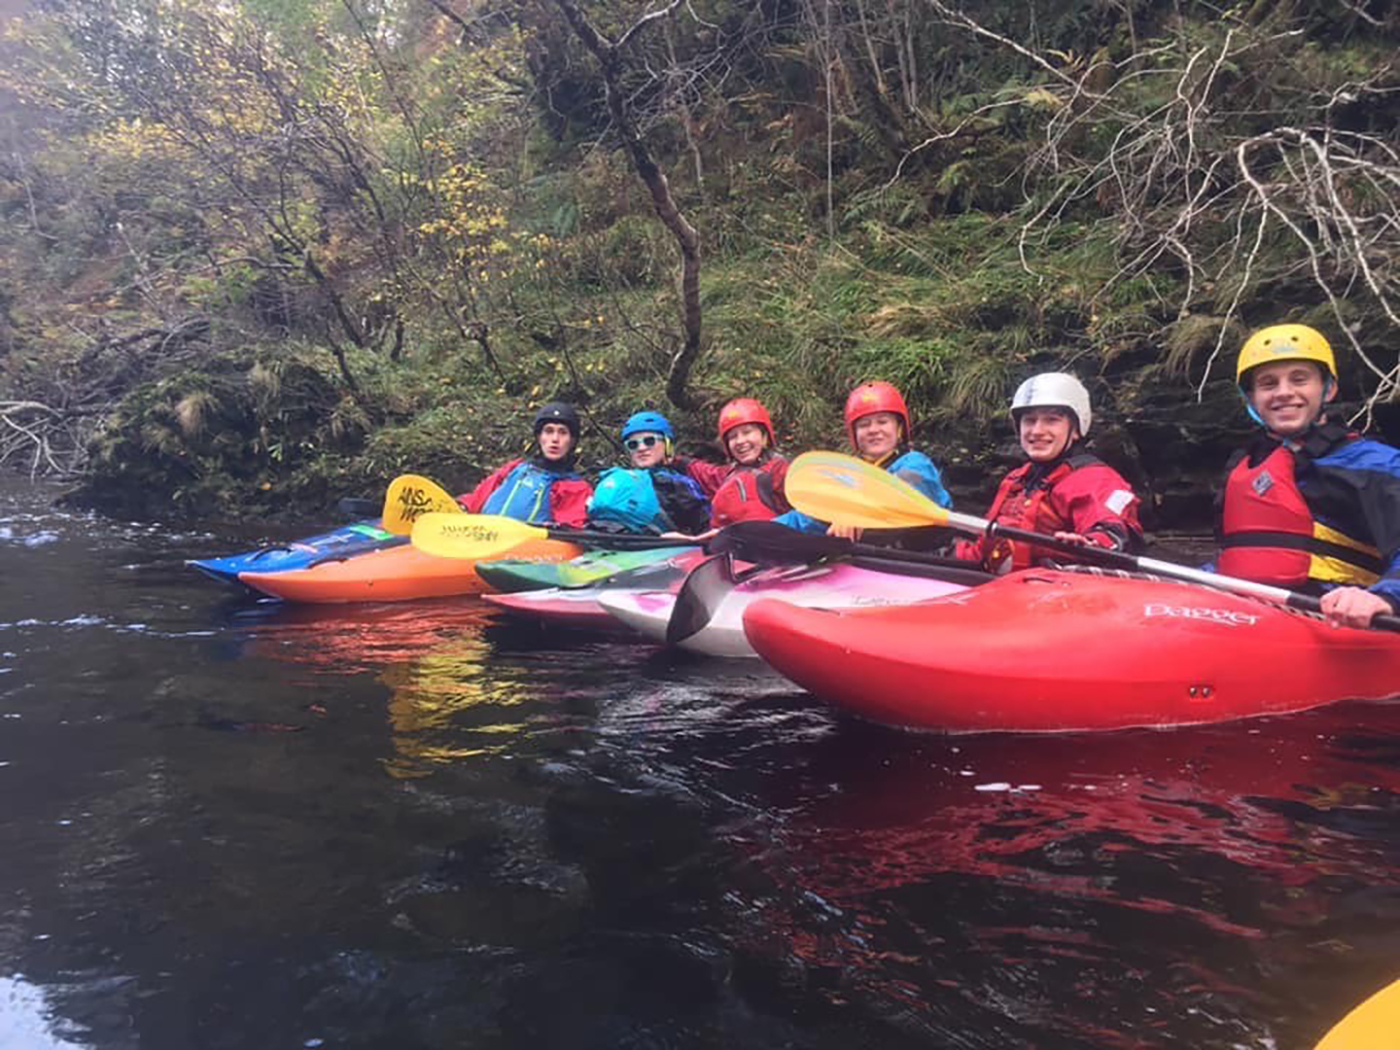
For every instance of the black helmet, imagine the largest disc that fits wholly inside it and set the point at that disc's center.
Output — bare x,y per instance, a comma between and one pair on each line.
558,412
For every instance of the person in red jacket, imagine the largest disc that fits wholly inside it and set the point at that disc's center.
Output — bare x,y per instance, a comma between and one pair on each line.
750,486
1062,489
544,489
1309,504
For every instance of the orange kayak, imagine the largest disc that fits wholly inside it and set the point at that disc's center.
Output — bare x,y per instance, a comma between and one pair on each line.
397,574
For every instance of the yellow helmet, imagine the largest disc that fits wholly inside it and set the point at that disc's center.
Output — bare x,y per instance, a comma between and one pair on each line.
1285,342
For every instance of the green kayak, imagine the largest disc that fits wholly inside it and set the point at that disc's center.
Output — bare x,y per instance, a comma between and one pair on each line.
510,575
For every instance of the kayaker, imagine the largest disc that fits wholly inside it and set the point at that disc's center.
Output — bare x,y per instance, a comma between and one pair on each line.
545,488
1309,504
878,426
1062,489
650,495
750,486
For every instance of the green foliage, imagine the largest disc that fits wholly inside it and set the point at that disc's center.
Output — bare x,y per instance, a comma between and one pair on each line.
400,237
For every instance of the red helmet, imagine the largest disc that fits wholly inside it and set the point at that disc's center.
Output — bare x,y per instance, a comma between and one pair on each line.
744,410
869,398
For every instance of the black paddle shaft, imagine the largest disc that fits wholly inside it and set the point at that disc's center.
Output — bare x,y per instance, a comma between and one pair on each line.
770,543
621,541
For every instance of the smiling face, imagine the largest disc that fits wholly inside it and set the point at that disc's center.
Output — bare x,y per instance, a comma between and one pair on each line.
1289,396
1046,433
746,443
646,449
556,441
877,435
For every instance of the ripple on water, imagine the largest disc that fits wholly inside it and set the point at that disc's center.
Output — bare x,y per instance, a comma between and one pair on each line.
607,846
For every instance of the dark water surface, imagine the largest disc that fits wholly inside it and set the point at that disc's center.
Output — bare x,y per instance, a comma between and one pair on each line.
226,825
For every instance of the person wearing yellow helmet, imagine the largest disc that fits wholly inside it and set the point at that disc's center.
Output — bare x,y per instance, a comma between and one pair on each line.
1309,504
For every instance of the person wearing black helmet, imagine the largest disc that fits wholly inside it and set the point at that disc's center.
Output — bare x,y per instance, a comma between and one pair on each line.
546,488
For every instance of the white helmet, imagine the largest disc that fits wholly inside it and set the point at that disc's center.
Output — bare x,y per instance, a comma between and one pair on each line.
1054,390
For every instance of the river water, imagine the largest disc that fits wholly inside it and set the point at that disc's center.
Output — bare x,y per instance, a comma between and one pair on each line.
227,824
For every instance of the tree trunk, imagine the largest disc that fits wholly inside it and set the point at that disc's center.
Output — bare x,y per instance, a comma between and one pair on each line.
687,239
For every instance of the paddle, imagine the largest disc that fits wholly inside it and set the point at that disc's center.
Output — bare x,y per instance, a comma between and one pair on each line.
482,536
849,491
409,497
1370,1026
700,595
768,543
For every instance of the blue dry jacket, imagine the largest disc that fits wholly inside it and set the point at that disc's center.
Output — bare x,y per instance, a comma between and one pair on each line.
914,467
524,494
1370,471
657,499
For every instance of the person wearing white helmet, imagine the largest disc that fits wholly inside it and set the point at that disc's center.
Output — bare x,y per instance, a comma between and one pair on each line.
1309,505
1062,489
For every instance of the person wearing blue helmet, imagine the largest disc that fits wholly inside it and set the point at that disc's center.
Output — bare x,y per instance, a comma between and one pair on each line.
648,495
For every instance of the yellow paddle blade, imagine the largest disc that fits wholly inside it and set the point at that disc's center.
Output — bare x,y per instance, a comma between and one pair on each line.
409,497
471,535
1374,1025
844,490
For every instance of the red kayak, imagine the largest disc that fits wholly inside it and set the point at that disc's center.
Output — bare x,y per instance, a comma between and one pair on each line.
1048,651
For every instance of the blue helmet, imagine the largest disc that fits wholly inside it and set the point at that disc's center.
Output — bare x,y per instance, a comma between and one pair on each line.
647,422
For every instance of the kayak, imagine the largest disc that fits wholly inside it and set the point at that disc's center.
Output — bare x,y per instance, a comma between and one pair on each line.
829,586
299,554
1050,651
576,607
519,574
395,574
1374,1025
579,607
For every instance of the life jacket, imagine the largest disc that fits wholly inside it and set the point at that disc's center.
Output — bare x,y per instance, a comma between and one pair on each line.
1020,507
1268,532
747,494
524,493
626,496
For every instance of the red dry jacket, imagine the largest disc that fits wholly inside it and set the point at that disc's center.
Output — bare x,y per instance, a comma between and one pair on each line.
1081,494
741,493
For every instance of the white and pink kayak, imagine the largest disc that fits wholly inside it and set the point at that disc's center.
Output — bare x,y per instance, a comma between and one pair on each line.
838,585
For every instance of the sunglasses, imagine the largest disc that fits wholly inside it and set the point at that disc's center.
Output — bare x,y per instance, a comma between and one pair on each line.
641,442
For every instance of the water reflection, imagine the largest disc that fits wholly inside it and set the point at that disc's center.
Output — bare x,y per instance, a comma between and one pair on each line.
445,706
234,824
349,639
1096,887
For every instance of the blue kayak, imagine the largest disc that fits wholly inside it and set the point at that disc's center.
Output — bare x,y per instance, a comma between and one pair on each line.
340,543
